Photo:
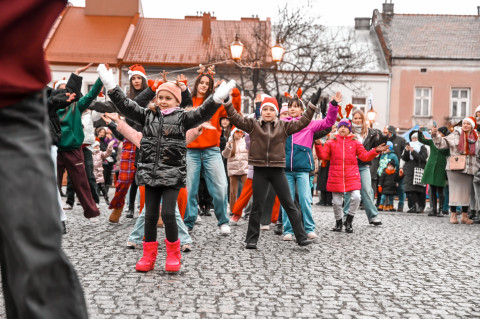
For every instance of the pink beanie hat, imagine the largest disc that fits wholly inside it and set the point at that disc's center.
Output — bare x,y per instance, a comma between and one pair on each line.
172,88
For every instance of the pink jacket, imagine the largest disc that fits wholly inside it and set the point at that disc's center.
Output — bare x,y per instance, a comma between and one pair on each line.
238,164
98,157
342,152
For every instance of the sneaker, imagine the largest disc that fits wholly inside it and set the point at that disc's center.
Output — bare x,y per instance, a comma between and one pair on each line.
130,213
199,220
375,221
312,235
278,230
235,219
186,248
251,246
98,205
288,237
264,227
132,245
67,207
224,229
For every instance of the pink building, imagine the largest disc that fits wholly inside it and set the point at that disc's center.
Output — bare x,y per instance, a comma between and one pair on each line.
434,63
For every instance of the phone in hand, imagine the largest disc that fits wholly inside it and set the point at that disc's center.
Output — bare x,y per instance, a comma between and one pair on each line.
435,124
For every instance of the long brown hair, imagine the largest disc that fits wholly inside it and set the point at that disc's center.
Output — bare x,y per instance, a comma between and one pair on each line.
197,82
364,130
132,93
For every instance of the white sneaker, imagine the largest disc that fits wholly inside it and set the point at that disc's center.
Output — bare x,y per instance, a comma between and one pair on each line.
98,205
265,227
312,235
224,229
199,220
132,245
288,237
67,207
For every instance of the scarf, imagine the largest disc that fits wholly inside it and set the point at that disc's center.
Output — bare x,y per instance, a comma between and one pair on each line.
467,143
389,172
357,130
170,110
416,147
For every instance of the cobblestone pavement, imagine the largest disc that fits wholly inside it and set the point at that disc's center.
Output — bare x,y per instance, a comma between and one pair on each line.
413,266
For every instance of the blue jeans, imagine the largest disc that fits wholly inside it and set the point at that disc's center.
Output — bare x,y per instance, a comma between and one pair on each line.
384,197
209,161
366,192
302,180
401,192
445,206
136,236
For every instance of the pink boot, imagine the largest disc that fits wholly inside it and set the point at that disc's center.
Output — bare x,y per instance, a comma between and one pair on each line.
173,256
147,262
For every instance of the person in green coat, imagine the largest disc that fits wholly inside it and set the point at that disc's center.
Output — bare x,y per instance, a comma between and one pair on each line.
435,174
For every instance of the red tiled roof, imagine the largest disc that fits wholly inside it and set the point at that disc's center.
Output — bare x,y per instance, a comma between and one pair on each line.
180,41
82,39
433,36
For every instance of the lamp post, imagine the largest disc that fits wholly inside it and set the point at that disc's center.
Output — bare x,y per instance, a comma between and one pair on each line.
371,114
236,49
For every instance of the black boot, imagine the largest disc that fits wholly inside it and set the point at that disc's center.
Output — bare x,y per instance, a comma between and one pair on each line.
338,225
278,230
207,210
472,214
130,212
433,212
348,224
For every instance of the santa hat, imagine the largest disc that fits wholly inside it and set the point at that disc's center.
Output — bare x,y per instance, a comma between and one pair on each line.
284,108
137,69
235,130
476,110
95,144
173,88
472,121
271,101
58,83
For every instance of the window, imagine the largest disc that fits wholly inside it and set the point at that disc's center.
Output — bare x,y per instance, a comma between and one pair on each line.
423,97
360,103
459,103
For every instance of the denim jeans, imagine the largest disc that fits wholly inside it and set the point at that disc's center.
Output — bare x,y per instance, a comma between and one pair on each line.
209,162
445,204
136,236
384,197
302,181
53,152
366,193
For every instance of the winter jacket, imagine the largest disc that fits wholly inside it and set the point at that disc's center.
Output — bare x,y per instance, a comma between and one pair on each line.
211,138
71,120
161,161
451,142
373,139
342,152
399,144
419,160
298,148
389,183
237,164
98,157
268,139
435,173
385,158
88,117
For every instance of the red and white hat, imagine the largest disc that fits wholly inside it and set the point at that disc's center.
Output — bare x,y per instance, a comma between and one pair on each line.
137,69
472,121
58,83
271,101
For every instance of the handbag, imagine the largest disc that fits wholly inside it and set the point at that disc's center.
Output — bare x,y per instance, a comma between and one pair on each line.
417,176
458,162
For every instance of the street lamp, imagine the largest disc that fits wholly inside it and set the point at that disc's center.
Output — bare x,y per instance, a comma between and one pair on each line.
236,49
371,114
277,51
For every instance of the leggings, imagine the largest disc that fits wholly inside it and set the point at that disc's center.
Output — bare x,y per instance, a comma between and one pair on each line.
433,199
453,209
153,196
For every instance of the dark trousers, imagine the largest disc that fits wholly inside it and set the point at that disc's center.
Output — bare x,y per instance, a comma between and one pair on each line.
433,197
274,176
37,278
270,195
107,175
133,195
74,163
87,155
204,198
416,200
153,196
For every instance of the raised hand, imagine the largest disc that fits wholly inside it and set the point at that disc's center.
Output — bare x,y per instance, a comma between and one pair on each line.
223,91
338,97
434,131
217,84
106,76
83,69
155,85
113,116
70,96
106,119
381,148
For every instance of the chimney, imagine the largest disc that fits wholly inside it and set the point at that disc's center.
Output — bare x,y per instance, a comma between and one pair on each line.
388,8
206,26
362,23
123,8
478,10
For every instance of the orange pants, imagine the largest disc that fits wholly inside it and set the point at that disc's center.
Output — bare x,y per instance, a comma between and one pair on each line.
181,199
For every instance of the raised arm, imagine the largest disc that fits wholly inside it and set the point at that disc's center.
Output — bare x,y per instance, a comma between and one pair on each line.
86,100
423,140
442,142
363,154
295,126
329,120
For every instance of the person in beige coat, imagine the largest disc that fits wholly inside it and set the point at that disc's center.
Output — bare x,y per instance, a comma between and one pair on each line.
462,142
236,154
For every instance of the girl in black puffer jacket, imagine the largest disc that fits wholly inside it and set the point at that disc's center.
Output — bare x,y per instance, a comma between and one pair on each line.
161,164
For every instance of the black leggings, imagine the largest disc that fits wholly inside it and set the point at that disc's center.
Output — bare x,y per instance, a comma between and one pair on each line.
133,195
453,209
275,176
433,199
153,195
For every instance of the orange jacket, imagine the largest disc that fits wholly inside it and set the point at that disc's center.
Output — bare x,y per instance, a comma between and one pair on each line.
211,138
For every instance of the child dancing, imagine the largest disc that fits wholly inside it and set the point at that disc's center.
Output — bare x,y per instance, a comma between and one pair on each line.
161,164
344,177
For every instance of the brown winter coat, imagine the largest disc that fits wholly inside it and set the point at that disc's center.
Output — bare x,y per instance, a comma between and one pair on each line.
267,139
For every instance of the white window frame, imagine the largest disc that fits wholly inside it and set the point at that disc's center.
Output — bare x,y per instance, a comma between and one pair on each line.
363,106
422,98
459,100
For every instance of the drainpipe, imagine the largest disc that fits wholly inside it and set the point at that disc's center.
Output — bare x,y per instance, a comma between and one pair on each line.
388,97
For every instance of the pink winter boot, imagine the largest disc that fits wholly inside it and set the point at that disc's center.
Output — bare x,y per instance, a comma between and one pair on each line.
147,262
173,256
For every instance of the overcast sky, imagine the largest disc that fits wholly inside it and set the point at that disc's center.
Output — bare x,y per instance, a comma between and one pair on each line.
331,12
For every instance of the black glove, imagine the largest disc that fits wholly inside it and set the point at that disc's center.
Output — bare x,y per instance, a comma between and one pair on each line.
59,101
316,96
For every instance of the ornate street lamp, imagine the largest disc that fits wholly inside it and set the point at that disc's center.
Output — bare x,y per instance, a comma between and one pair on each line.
277,52
371,114
236,49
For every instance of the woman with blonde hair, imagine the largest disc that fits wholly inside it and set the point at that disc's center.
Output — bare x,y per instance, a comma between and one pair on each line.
370,138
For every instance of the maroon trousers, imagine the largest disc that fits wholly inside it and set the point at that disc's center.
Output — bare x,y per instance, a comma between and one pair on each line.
73,162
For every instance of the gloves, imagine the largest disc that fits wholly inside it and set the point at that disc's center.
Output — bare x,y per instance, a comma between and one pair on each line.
380,189
106,76
223,91
315,97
